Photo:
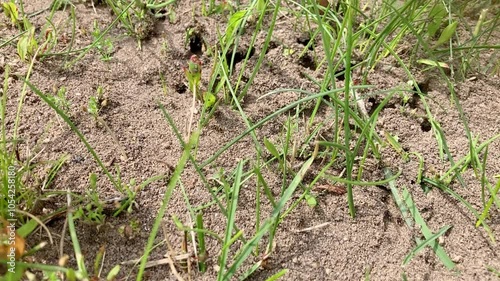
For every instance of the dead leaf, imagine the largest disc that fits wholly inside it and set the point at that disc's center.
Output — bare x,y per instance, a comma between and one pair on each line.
330,188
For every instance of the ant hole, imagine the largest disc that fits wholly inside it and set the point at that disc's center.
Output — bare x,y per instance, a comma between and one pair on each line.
196,44
307,61
180,88
238,56
272,45
305,40
426,125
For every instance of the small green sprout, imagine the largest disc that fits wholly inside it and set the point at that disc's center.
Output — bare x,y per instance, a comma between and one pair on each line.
209,99
96,103
60,99
93,107
10,11
193,74
104,46
27,44
311,200
92,212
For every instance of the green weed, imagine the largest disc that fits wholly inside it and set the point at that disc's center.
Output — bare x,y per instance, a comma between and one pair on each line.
96,103
10,10
104,46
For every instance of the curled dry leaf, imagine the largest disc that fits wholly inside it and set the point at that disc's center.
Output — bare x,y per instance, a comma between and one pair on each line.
330,188
323,3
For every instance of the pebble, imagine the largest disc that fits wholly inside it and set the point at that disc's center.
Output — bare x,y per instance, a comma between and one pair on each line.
386,68
457,259
441,240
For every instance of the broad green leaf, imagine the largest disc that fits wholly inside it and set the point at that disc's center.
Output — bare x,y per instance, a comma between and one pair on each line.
177,222
271,148
447,33
113,273
434,63
10,11
436,16
27,45
234,22
261,6
27,228
311,200
71,275
93,108
22,48
209,99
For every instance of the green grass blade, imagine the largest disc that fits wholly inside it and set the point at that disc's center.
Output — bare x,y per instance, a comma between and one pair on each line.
166,199
230,221
455,195
364,183
77,132
76,245
488,205
431,241
252,243
202,256
277,275
273,115
438,249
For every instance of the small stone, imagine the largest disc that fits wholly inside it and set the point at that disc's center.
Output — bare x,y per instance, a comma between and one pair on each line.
294,260
314,265
457,259
328,271
441,240
123,158
128,232
386,68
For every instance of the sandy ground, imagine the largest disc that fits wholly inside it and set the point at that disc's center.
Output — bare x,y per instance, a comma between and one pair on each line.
376,241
